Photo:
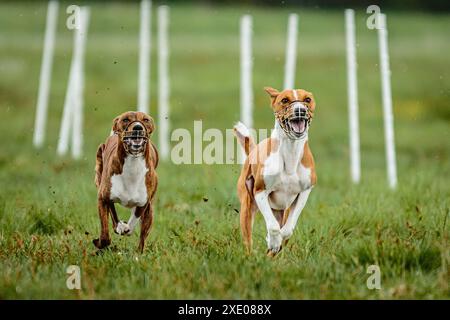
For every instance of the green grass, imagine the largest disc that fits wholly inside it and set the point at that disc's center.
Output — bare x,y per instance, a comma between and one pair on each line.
48,208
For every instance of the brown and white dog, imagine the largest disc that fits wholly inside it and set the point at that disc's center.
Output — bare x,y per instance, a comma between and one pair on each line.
279,172
125,173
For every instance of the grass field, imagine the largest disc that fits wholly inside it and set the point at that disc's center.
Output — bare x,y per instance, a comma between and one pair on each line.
48,214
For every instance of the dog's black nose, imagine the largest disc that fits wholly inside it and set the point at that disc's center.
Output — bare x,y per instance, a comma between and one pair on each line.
300,112
138,127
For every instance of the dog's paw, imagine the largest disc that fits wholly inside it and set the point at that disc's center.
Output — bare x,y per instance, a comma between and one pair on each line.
122,228
274,240
272,254
101,243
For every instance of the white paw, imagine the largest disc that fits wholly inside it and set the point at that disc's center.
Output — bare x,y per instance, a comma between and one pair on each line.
123,228
274,240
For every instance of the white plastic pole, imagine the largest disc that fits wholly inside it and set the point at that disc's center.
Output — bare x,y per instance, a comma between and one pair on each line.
144,56
291,52
78,102
246,71
45,76
74,90
352,92
163,79
66,123
387,102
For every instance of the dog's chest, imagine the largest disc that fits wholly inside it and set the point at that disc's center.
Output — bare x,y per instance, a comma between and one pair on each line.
128,188
285,177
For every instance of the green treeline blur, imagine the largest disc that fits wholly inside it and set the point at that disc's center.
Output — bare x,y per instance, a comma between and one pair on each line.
409,5
414,5
436,6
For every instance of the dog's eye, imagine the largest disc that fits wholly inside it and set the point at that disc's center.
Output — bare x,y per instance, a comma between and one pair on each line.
146,120
308,100
126,120
285,100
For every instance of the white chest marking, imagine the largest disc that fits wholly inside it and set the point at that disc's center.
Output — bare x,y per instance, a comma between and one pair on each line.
284,175
128,188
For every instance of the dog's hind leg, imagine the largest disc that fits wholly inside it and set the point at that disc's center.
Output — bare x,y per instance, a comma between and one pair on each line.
113,212
283,222
285,216
134,219
295,211
278,214
127,228
146,223
105,239
247,214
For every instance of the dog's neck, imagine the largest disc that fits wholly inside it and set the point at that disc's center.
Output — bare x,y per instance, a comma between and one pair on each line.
291,150
134,157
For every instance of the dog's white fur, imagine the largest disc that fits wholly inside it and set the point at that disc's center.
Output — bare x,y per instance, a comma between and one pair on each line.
128,188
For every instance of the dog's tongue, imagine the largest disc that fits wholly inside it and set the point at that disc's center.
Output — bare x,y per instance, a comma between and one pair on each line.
298,126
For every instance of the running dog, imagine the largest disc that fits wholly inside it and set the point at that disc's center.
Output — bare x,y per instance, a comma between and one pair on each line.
278,174
125,173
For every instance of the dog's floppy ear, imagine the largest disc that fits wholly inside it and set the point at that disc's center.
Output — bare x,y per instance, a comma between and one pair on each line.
273,93
150,125
115,126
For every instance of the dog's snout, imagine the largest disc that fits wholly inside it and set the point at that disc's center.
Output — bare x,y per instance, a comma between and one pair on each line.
138,127
300,111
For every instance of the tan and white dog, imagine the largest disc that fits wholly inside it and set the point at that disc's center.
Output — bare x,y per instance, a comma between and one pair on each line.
278,174
125,173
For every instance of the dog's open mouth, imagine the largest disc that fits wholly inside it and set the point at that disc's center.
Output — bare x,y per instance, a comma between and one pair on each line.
298,125
135,141
294,121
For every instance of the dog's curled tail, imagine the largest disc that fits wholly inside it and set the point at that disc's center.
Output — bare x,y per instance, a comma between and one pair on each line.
244,137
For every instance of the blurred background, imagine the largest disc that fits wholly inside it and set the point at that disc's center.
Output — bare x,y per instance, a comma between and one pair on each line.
432,5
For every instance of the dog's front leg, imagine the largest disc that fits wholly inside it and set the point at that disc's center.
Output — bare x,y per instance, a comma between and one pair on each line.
294,214
105,239
273,227
146,223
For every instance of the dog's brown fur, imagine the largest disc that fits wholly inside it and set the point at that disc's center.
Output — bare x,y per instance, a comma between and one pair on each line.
110,159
